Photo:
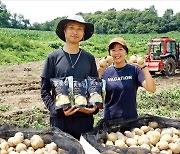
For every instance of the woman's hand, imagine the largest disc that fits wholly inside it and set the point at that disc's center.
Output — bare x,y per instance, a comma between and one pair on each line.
88,110
70,110
101,71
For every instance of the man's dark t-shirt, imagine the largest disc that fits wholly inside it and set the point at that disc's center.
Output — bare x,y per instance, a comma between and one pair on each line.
58,64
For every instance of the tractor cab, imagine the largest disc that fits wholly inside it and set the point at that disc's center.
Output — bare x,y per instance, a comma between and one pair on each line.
163,55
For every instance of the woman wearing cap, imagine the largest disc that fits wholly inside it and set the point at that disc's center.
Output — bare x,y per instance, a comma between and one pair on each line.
122,82
70,60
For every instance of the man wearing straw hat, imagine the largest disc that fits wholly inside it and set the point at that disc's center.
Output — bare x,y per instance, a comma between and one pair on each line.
70,60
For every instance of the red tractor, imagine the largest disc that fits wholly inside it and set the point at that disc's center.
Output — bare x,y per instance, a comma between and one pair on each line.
163,56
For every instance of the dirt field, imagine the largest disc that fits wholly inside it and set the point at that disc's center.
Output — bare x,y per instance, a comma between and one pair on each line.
20,86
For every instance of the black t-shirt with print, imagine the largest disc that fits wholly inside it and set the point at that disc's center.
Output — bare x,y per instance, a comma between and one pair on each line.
58,64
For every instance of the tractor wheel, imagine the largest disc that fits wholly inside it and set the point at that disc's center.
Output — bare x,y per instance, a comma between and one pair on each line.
169,67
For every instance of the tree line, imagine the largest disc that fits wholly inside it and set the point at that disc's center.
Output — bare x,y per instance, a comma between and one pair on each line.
129,21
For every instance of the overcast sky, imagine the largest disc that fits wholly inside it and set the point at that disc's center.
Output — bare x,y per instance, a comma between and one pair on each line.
47,10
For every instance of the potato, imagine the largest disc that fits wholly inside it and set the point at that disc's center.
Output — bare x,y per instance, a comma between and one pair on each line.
2,140
138,131
80,100
112,137
61,151
167,131
4,145
145,129
36,142
166,137
133,59
30,150
162,145
108,142
51,146
95,97
140,60
120,144
23,152
158,129
146,146
143,140
18,138
3,151
155,150
131,141
119,135
153,124
129,134
10,141
154,137
109,60
103,62
176,138
136,137
27,142
62,99
19,134
175,147
20,147
176,131
11,149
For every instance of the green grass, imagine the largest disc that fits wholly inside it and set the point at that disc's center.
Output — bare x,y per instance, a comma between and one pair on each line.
21,46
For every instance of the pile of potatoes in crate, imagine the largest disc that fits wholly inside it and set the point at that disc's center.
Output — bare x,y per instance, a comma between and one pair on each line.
155,139
18,144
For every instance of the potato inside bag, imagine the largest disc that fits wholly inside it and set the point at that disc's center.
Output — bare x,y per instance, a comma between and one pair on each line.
80,92
96,91
61,92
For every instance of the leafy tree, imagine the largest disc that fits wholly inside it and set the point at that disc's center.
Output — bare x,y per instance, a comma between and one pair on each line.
4,16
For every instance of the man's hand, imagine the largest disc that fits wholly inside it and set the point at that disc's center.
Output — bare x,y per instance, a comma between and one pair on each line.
88,110
70,110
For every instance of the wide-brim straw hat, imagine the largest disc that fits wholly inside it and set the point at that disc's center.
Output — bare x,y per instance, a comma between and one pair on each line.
88,32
